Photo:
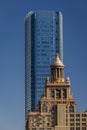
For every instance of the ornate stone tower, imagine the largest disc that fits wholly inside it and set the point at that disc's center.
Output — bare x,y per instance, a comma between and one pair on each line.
57,109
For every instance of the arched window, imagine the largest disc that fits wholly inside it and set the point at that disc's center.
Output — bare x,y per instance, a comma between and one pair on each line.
44,108
71,108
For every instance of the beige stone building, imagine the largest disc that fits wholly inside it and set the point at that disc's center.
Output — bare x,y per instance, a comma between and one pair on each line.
57,109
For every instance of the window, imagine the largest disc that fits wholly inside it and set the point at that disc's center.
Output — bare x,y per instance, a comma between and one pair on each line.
71,115
71,124
33,128
77,124
77,115
83,119
44,108
78,119
83,123
72,128
78,128
58,93
57,73
71,108
48,128
83,115
41,128
64,93
71,119
52,93
83,128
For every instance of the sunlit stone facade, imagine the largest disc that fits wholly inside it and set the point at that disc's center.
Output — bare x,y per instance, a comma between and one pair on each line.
57,108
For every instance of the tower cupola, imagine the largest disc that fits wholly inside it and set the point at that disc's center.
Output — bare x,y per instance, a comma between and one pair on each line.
57,70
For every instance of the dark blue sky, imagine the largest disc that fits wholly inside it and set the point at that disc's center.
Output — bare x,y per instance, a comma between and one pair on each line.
12,14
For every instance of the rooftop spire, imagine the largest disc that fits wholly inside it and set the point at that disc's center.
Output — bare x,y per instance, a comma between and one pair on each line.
57,61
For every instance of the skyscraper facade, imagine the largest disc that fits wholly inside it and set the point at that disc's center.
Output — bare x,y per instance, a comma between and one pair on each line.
43,39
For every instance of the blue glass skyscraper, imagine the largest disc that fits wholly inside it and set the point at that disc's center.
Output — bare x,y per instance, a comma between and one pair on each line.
43,39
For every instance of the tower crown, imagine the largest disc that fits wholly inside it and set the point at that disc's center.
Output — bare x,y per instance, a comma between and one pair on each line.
57,70
57,61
